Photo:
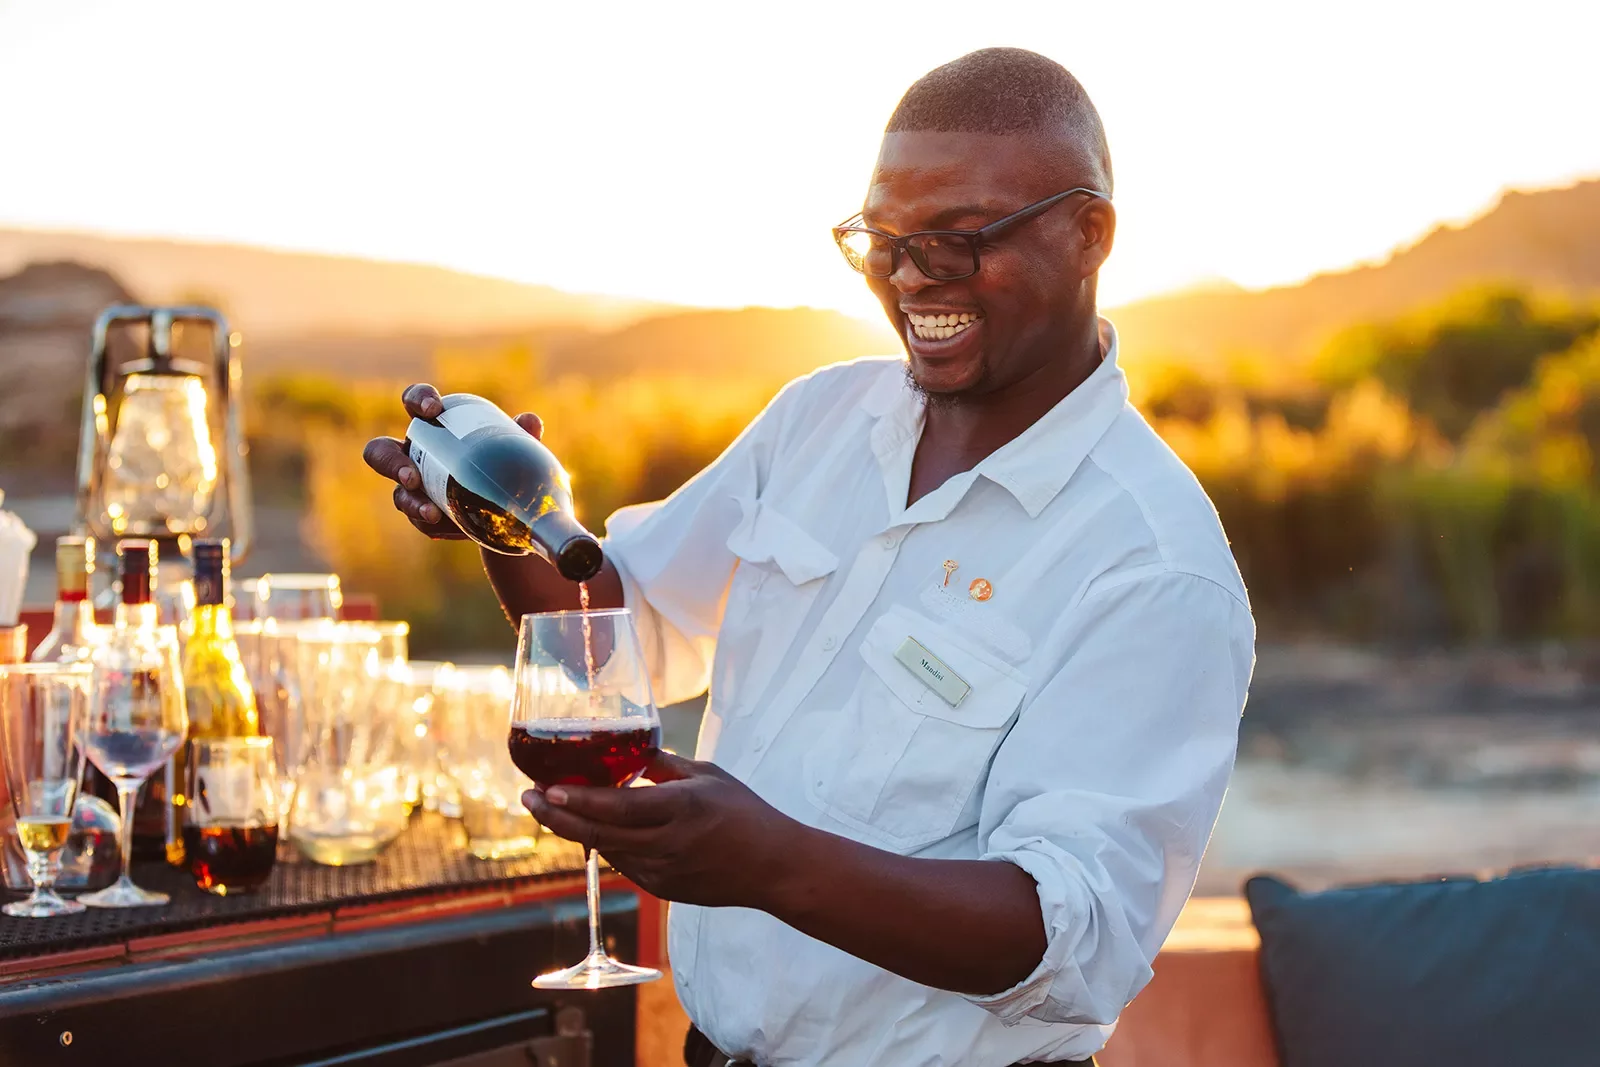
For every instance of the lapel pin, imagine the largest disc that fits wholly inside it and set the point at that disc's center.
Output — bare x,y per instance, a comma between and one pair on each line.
980,589
950,566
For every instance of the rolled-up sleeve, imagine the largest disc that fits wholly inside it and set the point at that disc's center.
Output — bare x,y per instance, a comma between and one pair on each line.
673,558
1108,786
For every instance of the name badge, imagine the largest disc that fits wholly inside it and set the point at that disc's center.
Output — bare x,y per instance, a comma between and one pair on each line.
932,671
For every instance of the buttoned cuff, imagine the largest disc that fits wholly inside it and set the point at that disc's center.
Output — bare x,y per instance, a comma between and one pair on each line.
1058,990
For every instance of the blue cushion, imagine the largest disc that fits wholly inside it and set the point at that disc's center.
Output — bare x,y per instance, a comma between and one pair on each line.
1454,973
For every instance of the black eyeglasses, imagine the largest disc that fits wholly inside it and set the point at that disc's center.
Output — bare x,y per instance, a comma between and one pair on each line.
944,255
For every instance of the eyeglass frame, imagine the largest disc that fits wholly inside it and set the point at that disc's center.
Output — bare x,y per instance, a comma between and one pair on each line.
975,239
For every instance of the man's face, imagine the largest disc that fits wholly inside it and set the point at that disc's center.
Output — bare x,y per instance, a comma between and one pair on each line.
1030,289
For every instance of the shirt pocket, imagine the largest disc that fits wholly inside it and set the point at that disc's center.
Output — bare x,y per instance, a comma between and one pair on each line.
903,763
780,570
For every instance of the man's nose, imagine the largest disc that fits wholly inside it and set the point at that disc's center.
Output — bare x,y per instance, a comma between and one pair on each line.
908,277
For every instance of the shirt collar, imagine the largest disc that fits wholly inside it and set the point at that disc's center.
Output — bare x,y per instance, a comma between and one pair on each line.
1035,465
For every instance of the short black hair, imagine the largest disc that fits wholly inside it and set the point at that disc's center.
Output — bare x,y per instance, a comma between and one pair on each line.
1006,90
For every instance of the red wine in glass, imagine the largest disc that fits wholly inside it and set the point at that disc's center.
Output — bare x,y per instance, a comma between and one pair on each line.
230,859
596,752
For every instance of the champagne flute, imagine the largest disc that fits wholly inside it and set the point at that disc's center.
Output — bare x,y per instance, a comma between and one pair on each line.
137,720
582,714
42,706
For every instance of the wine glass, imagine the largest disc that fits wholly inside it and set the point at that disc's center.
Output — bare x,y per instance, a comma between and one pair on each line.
582,714
298,597
137,718
42,706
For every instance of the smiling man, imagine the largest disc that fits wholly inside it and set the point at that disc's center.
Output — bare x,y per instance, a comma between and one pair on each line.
975,644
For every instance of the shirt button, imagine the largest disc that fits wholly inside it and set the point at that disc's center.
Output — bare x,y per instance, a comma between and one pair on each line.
888,541
828,643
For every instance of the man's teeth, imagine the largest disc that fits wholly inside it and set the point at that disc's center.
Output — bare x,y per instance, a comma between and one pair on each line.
939,327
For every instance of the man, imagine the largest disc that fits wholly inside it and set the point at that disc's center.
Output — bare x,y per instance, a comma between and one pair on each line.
975,643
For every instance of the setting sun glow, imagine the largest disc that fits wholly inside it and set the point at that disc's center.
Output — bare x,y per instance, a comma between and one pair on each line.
563,144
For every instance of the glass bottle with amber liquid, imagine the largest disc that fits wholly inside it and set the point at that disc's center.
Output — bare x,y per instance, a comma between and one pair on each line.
221,701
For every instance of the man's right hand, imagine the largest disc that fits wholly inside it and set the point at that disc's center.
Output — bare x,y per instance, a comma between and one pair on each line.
389,457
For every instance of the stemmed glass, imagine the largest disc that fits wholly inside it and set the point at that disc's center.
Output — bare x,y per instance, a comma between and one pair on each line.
42,706
582,714
137,718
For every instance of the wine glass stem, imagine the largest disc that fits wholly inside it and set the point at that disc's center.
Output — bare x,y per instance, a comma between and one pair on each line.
42,871
125,798
593,874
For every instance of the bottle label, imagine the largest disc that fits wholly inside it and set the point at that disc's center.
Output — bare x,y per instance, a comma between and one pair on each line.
434,475
463,420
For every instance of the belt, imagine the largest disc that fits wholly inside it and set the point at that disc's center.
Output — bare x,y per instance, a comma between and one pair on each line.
698,1051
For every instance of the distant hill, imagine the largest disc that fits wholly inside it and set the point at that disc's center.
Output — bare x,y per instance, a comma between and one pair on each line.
1547,240
269,293
361,318
768,343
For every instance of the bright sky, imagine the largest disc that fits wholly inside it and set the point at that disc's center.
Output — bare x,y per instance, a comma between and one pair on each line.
698,152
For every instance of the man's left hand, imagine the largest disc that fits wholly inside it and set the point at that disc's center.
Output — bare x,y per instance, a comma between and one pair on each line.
698,835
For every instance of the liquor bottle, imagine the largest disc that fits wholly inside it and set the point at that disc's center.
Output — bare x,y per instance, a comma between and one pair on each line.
500,485
74,635
215,683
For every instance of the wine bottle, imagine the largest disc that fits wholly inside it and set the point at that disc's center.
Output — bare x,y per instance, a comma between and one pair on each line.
215,683
500,485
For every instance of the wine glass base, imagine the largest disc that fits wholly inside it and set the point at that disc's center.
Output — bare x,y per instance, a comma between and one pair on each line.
124,895
43,907
596,972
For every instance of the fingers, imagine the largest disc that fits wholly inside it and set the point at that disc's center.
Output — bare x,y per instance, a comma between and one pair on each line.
422,401
532,423
419,509
389,458
616,807
587,832
669,767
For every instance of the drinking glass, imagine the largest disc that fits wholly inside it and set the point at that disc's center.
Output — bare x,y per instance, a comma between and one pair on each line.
429,679
298,597
137,718
246,600
230,831
582,714
470,713
42,706
349,796
394,701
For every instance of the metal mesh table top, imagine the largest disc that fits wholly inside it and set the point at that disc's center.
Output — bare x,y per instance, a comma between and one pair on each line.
430,858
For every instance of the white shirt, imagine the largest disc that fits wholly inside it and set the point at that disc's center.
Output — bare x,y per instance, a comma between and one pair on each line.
1107,674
